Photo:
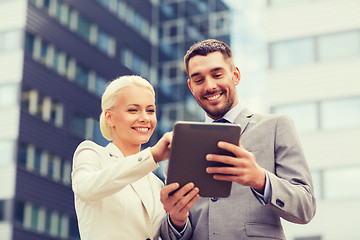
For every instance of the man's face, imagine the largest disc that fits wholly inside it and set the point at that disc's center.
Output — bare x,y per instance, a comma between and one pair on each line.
213,83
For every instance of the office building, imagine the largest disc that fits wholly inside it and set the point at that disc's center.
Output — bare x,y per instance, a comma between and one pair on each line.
56,57
314,69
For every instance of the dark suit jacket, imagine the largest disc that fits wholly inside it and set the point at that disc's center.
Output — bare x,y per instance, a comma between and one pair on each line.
275,144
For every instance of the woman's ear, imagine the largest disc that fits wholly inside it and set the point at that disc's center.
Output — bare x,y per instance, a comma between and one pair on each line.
108,118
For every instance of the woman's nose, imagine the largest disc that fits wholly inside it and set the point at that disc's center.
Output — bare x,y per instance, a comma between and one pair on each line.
144,117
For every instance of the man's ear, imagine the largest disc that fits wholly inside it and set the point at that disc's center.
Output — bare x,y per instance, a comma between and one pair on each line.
237,75
108,118
190,87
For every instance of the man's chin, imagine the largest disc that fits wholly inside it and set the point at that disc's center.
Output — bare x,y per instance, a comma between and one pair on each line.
215,113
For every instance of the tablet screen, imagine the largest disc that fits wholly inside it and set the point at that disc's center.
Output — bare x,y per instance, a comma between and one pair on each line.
192,141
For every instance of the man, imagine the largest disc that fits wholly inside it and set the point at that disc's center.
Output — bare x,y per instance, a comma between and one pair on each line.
271,179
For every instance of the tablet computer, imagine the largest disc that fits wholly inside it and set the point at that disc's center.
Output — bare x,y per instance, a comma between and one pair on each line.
192,141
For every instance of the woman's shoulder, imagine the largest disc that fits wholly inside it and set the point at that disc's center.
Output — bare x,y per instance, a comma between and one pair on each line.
89,145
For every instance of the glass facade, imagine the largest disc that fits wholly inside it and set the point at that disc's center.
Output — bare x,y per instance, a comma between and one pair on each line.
69,56
305,51
326,115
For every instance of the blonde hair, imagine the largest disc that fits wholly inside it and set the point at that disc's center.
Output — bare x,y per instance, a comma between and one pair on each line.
111,95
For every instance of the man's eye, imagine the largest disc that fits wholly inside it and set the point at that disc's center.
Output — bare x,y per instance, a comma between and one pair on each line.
200,80
217,75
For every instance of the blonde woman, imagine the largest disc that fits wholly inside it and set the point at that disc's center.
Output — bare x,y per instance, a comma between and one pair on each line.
116,194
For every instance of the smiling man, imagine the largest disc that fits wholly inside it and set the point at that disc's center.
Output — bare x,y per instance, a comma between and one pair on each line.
271,179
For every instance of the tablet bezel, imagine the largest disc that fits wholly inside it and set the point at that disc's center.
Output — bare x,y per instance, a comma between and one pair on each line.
191,142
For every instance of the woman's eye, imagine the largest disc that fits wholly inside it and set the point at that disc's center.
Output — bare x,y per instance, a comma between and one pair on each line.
151,111
132,110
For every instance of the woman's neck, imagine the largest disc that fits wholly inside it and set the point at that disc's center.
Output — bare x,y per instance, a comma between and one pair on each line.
128,149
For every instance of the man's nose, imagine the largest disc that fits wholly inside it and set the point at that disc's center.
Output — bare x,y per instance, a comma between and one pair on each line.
210,83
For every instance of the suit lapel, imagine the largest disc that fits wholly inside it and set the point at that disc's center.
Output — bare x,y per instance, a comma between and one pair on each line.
141,186
142,189
244,118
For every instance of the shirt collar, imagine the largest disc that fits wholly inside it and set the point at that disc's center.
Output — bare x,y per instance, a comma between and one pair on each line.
231,115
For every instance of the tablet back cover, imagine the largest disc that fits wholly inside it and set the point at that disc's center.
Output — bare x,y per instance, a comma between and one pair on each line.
191,142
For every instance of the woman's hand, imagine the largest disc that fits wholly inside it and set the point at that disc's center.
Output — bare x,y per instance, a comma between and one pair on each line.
161,150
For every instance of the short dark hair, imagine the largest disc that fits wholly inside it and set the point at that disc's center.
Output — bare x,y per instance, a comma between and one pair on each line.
205,47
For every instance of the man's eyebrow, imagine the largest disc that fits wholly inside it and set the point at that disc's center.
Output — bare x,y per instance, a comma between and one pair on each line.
216,69
194,75
212,70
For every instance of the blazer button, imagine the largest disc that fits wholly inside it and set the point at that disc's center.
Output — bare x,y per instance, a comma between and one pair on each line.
139,159
214,199
280,203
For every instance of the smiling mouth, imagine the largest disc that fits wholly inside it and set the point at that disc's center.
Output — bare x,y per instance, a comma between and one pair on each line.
141,129
214,97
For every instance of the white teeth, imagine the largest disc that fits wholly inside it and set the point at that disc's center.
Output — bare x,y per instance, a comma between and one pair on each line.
214,97
142,129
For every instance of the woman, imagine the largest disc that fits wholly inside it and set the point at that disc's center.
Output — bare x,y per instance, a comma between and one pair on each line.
116,194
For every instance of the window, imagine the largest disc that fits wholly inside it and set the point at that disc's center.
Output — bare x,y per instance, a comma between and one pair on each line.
317,177
105,42
121,10
43,52
78,125
219,23
340,183
29,43
63,226
105,3
100,85
62,12
34,218
10,40
82,76
98,137
41,219
138,22
349,42
292,52
70,18
66,172
174,30
48,222
333,112
303,51
2,210
20,213
304,115
8,95
84,28
48,165
37,161
134,62
42,106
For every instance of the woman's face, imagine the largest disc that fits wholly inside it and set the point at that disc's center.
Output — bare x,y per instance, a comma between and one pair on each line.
133,119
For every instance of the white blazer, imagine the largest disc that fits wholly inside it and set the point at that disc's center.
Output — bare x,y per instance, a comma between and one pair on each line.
116,197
